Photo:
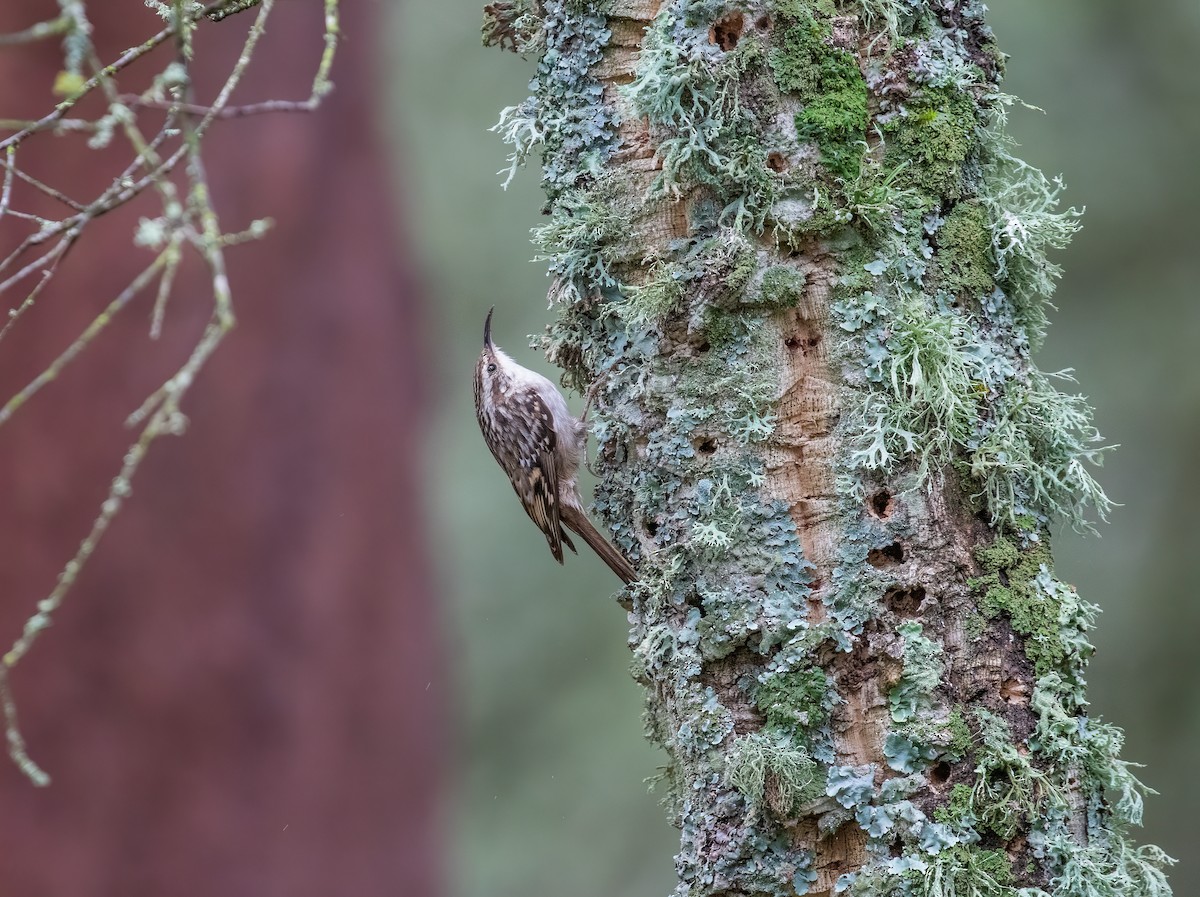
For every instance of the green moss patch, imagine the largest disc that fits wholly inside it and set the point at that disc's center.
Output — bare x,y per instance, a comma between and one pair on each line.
934,140
1009,587
966,263
829,82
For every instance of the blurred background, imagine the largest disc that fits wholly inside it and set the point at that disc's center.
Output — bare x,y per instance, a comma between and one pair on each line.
322,651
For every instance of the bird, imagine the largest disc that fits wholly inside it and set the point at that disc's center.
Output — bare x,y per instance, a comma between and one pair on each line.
540,445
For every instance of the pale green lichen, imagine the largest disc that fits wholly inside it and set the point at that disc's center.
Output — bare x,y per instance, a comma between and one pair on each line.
689,93
771,771
923,670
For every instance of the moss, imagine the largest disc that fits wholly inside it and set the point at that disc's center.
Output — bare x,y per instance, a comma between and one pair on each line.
720,327
1000,555
837,121
829,82
934,139
782,287
1019,585
965,262
796,702
957,809
961,739
1009,588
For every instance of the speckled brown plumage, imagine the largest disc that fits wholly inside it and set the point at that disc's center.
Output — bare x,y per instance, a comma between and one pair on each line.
539,444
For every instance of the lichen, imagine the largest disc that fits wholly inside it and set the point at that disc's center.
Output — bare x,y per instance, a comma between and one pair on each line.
565,114
771,771
923,669
688,91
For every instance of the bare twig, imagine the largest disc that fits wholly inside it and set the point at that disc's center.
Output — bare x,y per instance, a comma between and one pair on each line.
266,106
11,169
12,731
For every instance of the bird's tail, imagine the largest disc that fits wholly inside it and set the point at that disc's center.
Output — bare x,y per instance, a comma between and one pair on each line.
577,522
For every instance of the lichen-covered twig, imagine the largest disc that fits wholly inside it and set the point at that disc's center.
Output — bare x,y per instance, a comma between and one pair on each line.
188,222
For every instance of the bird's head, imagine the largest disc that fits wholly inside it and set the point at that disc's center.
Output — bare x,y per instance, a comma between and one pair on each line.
493,369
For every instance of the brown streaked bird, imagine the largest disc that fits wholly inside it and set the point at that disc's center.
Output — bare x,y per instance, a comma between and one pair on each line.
532,434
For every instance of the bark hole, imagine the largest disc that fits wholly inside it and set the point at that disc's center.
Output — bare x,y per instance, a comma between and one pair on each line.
651,528
882,504
905,601
727,31
777,162
707,446
763,23
888,556
806,338
1014,691
939,773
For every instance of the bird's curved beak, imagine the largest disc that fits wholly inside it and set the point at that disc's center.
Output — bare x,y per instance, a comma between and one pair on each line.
487,329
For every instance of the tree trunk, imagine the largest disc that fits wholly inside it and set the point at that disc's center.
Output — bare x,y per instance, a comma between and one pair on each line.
791,243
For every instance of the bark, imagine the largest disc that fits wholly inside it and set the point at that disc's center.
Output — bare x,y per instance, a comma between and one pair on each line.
242,693
792,243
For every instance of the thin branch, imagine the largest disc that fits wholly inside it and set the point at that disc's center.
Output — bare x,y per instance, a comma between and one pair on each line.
129,56
35,183
6,193
266,106
40,31
184,222
231,9
12,731
62,124
101,321
173,255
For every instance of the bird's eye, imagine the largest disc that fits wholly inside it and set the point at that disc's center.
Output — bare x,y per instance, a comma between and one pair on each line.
491,368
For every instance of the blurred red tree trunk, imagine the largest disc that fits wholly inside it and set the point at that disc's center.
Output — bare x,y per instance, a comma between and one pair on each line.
243,694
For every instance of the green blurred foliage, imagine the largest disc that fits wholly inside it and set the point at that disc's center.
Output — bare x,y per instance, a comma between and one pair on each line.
549,797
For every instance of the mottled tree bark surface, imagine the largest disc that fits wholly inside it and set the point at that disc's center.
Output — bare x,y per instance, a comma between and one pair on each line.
242,694
791,241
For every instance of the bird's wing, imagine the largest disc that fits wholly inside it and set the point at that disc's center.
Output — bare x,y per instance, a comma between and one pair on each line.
534,475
